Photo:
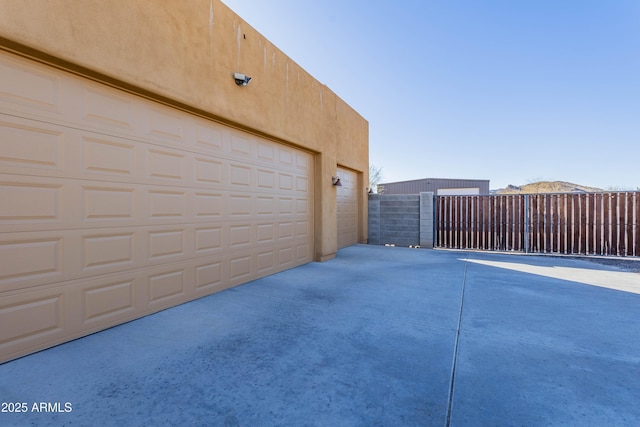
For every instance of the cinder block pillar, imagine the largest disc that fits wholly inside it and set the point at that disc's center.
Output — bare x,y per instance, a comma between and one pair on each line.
426,219
374,219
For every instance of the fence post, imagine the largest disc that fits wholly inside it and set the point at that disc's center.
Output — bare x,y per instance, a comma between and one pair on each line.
435,220
427,219
527,220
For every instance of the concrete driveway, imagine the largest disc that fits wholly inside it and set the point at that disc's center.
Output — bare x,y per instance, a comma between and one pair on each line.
378,336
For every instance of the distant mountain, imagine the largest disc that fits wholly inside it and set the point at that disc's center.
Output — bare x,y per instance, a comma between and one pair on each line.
547,187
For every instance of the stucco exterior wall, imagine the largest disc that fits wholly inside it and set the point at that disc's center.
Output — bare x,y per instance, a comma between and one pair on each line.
184,53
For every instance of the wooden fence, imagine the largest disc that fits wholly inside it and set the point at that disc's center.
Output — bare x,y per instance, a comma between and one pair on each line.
583,223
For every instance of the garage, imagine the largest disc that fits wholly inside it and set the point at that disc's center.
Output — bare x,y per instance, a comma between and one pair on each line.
115,206
347,211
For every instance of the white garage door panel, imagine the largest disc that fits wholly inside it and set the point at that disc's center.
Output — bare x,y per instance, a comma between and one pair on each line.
113,207
347,208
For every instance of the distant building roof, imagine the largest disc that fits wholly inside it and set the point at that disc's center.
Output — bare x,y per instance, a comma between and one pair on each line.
436,185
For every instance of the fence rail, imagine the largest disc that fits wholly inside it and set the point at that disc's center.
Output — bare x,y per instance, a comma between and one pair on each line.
568,223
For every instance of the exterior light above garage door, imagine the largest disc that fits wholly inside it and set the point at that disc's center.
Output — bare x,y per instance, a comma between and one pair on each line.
336,181
241,79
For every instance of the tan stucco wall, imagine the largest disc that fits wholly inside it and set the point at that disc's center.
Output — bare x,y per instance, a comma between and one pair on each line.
185,53
352,130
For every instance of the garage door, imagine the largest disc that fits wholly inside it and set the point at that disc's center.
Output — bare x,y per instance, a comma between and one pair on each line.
347,208
113,206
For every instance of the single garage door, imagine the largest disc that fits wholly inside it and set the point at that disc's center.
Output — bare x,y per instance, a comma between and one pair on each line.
347,208
113,207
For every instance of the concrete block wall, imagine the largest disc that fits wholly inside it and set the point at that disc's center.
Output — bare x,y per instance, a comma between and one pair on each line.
374,220
401,219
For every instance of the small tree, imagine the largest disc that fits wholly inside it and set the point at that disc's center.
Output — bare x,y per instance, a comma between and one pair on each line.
375,176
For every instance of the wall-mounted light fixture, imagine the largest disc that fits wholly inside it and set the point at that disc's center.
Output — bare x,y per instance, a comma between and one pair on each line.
336,181
241,79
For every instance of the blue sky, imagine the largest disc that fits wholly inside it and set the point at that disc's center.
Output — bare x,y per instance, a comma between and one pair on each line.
514,91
